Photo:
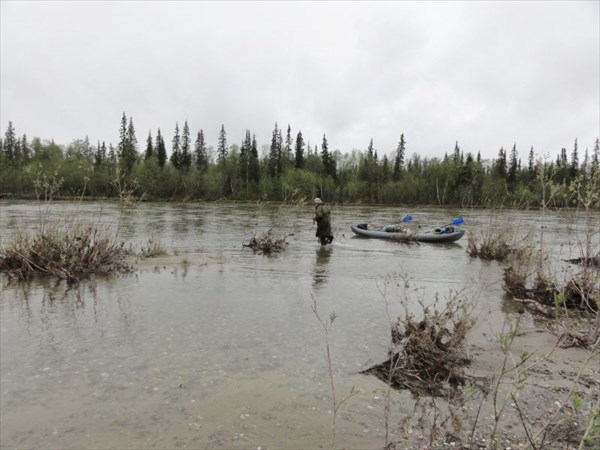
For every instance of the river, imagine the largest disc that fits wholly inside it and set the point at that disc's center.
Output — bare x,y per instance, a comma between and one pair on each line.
216,346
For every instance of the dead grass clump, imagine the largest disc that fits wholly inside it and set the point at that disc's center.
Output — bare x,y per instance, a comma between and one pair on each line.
69,255
266,243
428,355
152,250
498,246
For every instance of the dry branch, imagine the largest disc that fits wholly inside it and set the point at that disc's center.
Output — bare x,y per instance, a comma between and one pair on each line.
266,243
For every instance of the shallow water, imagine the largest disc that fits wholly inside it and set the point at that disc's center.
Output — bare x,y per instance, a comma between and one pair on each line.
216,346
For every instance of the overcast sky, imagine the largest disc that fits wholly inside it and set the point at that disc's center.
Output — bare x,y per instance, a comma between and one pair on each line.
485,74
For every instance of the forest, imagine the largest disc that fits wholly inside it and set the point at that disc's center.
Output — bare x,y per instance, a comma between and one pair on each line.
288,170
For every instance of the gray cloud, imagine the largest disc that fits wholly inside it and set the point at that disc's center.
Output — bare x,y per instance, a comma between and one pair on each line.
486,74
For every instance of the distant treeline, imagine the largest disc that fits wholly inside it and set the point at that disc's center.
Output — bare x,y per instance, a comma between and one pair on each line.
288,170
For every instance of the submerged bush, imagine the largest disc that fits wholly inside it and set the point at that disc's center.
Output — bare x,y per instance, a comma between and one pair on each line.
496,245
266,243
70,254
152,250
428,354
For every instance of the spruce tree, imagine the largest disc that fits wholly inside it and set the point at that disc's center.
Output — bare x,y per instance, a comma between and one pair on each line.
186,155
280,156
10,142
244,161
531,169
456,153
200,155
161,150
299,157
531,162
325,154
222,146
595,165
121,148
131,133
176,148
25,149
149,147
368,170
564,160
112,154
288,159
468,169
370,150
127,150
562,163
574,168
254,163
399,160
132,153
512,168
275,153
17,154
327,158
500,164
100,155
385,170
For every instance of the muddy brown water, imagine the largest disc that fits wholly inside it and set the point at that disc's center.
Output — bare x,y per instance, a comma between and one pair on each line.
216,346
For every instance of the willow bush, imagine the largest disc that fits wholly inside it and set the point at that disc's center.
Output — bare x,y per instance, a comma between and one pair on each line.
70,254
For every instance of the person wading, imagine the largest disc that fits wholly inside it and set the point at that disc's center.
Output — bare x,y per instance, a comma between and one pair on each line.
323,220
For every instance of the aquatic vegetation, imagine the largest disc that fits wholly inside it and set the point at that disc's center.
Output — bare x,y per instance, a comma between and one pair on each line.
266,242
152,249
70,254
499,245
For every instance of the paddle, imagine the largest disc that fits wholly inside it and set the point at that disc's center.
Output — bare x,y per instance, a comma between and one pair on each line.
457,221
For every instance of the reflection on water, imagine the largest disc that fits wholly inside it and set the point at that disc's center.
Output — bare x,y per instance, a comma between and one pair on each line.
220,348
320,271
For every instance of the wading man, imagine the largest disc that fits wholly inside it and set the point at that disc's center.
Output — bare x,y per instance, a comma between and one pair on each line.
323,220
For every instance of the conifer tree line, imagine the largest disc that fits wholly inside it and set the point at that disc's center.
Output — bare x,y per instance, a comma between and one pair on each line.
289,168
